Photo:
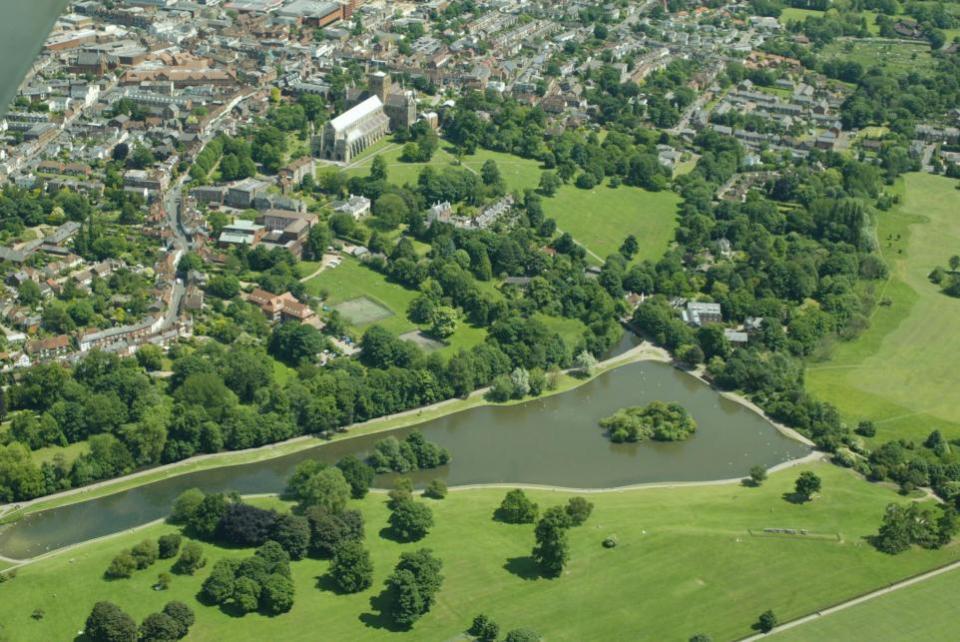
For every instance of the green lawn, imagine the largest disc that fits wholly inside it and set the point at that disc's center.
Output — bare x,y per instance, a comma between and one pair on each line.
351,279
602,217
685,563
918,612
901,373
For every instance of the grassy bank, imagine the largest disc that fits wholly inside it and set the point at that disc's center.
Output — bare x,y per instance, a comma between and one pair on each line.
687,562
901,372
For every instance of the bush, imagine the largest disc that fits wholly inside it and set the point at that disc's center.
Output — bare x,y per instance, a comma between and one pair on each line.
517,508
122,566
767,621
109,623
328,531
522,635
169,545
351,568
145,553
191,559
484,629
436,489
579,510
411,521
185,505
610,542
181,614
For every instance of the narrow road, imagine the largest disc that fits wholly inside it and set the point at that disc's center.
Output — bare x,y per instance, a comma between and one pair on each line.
855,601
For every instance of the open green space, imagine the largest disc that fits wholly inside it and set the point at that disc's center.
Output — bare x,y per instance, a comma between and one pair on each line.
917,612
901,372
897,58
602,217
685,563
352,281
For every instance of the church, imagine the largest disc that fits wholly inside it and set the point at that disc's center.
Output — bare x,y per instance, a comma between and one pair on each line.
378,110
354,130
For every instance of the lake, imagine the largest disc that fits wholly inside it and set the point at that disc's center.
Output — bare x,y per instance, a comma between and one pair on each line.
553,440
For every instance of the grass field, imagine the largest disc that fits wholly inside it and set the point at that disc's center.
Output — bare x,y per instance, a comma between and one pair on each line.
352,280
901,373
918,612
685,564
899,58
602,217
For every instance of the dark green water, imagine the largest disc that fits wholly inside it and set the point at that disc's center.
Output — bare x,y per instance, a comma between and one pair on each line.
552,441
24,26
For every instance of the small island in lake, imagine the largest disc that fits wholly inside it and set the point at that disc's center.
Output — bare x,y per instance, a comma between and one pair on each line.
658,420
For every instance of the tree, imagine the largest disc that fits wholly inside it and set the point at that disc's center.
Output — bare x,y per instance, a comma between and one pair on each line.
327,489
484,629
246,525
352,569
122,566
701,637
246,594
219,585
414,583
443,322
358,474
191,559
578,510
552,550
181,614
378,169
954,262
292,532
28,293
767,621
517,508
168,545
585,362
629,247
522,635
807,484
109,623
436,489
163,581
411,520
277,594
391,210
185,505
145,553
758,474
328,531
159,627
549,183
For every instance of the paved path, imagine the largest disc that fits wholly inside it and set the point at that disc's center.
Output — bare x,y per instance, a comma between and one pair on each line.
855,601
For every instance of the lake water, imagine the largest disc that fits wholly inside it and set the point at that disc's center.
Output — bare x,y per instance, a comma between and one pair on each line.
24,26
554,440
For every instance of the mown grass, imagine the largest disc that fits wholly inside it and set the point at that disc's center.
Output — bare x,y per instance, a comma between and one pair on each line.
685,563
918,612
901,372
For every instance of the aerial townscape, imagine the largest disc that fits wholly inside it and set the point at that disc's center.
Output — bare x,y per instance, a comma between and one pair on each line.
479,320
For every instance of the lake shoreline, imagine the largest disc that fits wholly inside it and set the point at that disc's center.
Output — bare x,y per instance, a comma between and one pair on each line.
640,353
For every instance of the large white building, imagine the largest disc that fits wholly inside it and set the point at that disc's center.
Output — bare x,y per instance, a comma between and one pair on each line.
354,130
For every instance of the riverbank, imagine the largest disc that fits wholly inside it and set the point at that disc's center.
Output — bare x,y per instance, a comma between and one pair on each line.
568,381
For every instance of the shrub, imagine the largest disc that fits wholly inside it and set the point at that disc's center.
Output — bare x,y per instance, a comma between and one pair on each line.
122,566
169,545
517,508
436,489
191,559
